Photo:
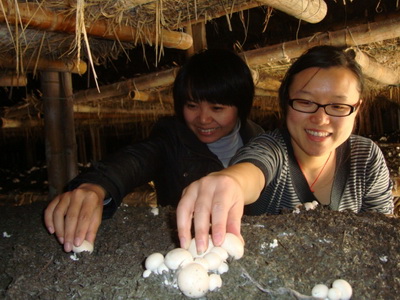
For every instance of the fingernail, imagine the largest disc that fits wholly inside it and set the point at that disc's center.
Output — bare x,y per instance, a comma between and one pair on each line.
77,242
61,240
200,246
67,247
217,239
50,229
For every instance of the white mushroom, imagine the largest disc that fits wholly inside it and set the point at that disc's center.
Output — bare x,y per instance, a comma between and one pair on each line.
344,287
153,261
320,291
215,282
221,252
214,261
202,261
334,294
177,257
193,280
311,205
223,268
162,268
233,245
84,247
193,250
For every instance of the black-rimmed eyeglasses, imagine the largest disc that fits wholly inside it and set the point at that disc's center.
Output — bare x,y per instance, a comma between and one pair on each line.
331,109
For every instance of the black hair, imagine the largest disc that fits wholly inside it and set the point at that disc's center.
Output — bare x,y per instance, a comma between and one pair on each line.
321,57
217,76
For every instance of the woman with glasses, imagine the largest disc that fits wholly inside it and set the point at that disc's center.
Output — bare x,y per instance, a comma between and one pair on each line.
313,157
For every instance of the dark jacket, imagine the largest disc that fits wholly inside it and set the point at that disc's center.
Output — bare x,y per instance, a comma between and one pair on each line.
172,157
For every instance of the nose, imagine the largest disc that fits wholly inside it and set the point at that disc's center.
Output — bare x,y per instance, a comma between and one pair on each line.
320,117
205,116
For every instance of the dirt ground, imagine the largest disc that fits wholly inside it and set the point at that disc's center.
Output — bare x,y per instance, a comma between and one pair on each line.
312,247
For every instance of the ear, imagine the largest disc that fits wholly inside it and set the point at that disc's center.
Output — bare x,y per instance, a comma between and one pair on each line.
359,105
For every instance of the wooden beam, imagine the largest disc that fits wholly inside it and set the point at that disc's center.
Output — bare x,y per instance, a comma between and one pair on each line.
13,80
144,82
36,16
372,69
311,11
354,36
43,64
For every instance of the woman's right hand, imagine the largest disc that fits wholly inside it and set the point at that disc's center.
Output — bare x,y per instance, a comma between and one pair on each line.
76,215
219,199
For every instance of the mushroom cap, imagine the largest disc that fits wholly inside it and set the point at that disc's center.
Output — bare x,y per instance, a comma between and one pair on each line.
320,291
84,247
153,261
233,245
215,282
214,260
334,294
193,250
177,257
221,252
193,280
344,287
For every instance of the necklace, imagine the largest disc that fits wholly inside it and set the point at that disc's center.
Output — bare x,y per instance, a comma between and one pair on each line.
319,174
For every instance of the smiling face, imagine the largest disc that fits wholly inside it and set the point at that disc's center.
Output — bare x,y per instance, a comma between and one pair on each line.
209,121
317,134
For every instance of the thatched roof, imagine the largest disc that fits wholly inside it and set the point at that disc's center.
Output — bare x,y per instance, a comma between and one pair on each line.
80,35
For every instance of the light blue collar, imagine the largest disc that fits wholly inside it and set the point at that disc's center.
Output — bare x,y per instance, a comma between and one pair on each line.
226,147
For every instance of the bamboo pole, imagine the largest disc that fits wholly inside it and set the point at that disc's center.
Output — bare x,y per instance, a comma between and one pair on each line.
43,64
68,128
35,16
375,70
13,80
14,123
311,11
144,82
354,36
50,85
363,34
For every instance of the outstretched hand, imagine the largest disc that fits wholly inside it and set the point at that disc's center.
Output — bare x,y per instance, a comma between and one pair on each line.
218,198
75,215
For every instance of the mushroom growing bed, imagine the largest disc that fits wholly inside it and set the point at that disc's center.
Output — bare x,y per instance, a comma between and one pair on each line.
285,256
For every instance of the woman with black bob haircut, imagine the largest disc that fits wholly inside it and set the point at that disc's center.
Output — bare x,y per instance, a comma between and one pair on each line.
213,95
218,77
314,158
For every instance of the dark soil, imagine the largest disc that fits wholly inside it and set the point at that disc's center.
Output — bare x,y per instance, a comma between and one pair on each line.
313,247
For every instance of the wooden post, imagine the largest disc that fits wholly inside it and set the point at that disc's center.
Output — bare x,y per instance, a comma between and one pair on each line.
61,150
69,137
50,85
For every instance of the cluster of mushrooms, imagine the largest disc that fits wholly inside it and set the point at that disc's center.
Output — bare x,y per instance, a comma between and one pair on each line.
340,290
196,274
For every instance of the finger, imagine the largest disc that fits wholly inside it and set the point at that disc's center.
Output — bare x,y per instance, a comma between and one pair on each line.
59,217
202,215
184,215
85,216
94,225
48,214
71,220
220,209
234,220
